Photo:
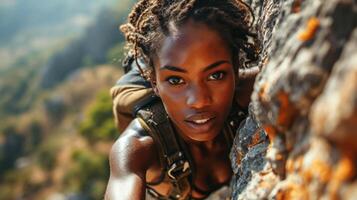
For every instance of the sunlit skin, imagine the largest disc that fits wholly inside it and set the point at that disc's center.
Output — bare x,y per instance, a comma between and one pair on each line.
195,79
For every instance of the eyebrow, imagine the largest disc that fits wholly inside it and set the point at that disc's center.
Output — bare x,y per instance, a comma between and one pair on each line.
179,69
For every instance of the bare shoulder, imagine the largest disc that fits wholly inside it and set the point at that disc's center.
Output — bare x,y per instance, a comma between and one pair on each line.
130,158
133,152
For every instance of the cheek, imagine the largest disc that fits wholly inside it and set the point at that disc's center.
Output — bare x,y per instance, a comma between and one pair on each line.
224,95
172,99
166,93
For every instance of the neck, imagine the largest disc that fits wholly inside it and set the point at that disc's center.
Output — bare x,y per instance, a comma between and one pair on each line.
204,145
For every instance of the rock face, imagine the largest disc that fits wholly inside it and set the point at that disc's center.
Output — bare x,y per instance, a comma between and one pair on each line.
300,141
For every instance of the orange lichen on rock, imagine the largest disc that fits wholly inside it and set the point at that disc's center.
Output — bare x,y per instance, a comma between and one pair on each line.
293,164
286,112
306,175
279,156
270,130
293,191
255,139
265,62
262,93
310,30
318,170
264,184
289,166
239,157
322,170
299,161
344,171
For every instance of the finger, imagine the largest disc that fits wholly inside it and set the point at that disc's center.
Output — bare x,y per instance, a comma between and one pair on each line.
248,73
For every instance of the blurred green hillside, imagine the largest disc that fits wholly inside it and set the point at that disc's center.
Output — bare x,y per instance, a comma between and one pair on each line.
56,125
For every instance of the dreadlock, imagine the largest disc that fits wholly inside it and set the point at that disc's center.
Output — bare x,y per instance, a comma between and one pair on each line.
150,20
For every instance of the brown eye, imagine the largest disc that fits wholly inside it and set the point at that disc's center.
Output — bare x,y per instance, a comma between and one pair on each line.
175,80
217,75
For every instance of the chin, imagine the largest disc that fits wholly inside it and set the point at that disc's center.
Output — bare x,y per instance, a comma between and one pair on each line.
203,137
199,134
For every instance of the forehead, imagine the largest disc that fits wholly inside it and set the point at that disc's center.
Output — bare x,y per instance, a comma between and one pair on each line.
190,43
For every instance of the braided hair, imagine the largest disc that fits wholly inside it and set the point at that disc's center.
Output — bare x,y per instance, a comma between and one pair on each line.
151,20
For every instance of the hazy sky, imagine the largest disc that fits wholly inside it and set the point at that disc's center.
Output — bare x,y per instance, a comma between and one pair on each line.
32,25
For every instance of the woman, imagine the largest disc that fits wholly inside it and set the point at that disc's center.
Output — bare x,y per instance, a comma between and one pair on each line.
192,49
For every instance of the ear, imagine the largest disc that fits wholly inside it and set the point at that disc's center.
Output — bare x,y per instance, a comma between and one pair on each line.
152,75
153,83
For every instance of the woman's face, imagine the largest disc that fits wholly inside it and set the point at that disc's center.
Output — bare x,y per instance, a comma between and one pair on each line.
195,80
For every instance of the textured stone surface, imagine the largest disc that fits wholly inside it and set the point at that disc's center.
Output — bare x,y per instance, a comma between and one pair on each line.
248,155
342,86
305,101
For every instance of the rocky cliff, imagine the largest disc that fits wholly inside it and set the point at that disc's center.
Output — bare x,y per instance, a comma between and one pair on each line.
300,139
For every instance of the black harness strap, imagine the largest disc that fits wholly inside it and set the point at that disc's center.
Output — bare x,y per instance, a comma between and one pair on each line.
176,161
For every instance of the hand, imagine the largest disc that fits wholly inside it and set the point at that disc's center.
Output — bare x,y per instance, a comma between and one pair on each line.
245,85
248,73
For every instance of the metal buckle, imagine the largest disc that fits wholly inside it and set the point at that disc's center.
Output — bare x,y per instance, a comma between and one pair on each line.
179,169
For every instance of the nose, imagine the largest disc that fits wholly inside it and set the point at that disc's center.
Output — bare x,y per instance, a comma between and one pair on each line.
199,96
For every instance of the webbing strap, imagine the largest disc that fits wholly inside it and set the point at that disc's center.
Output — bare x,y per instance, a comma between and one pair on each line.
177,164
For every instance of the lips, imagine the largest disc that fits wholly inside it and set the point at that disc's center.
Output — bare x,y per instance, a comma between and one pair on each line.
201,122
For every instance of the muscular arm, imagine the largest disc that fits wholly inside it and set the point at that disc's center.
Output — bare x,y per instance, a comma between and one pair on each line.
130,158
